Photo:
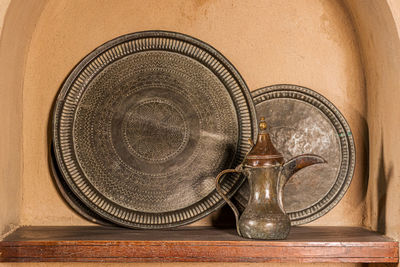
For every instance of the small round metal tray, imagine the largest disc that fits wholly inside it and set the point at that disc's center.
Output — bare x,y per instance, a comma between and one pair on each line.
302,121
143,125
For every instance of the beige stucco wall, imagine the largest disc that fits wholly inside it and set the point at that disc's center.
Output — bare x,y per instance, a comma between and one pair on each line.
15,37
3,10
378,27
305,42
9,216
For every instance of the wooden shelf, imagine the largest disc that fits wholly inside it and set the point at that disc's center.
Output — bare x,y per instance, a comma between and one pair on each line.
194,244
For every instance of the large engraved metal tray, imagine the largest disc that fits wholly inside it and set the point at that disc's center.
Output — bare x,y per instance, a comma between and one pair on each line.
302,121
69,197
144,123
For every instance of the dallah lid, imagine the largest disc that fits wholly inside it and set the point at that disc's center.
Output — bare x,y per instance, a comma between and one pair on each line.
263,152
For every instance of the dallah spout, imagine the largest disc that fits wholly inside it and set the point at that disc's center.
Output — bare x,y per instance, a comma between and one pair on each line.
298,163
293,166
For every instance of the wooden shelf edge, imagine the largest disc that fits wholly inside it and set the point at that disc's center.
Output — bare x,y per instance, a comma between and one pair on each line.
100,244
226,260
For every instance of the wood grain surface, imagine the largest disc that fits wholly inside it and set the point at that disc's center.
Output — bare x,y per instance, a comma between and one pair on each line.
193,244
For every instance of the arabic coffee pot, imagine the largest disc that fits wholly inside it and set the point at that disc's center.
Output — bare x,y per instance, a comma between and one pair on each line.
267,172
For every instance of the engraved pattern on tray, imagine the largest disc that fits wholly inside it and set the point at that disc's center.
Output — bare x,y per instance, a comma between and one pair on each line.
145,122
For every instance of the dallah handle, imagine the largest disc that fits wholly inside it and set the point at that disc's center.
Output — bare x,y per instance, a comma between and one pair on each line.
227,200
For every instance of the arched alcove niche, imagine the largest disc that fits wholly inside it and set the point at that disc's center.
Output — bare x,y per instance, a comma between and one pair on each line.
17,23
310,43
378,28
307,42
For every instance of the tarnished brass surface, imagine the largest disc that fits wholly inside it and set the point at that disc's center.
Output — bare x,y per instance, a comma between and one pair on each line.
263,217
144,123
302,121
267,173
263,153
73,201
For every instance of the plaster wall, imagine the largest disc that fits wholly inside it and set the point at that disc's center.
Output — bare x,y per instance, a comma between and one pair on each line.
3,10
305,42
378,28
16,31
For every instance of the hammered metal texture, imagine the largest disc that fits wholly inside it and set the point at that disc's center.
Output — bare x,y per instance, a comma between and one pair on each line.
143,125
302,121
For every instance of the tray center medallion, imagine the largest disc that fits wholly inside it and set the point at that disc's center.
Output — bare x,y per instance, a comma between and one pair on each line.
155,130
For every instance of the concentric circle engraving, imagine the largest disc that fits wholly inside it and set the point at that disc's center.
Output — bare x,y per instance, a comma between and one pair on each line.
155,130
302,121
143,125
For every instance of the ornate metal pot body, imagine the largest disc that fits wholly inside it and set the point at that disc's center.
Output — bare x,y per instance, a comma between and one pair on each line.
264,216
